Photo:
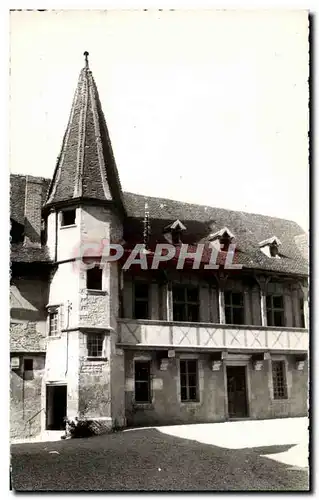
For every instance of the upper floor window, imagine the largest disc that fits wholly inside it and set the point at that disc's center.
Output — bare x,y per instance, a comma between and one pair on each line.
185,303
94,278
189,379
95,345
68,217
275,310
302,313
53,323
279,380
141,299
234,308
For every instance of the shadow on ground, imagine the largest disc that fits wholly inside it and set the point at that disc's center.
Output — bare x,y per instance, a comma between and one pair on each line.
148,460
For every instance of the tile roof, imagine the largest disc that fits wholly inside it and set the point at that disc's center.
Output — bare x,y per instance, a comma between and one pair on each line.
86,170
20,253
200,221
17,195
86,166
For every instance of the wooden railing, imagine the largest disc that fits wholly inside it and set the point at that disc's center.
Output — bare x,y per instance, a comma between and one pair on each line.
209,335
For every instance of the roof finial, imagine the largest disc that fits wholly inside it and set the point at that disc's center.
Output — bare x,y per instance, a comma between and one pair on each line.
86,54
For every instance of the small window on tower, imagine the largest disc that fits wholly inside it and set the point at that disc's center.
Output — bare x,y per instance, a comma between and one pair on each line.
68,217
95,345
53,323
28,365
28,369
94,278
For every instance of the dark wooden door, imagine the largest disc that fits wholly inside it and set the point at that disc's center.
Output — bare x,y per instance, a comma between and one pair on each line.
56,406
237,392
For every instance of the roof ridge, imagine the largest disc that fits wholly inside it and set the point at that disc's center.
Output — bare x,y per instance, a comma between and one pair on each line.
215,208
24,176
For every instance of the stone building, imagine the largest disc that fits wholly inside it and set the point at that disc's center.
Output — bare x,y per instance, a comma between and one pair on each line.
142,346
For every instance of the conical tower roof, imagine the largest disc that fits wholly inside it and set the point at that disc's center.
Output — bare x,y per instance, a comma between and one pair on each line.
86,168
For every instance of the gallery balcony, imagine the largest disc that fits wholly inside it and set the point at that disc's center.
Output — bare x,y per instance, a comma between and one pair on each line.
172,334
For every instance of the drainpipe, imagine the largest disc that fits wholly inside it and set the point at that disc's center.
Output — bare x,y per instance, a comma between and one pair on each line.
68,308
56,238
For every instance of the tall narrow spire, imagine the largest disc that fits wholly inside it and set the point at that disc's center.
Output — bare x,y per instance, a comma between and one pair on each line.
86,55
86,167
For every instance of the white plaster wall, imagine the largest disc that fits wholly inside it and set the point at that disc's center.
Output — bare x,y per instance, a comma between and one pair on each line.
68,238
51,236
65,287
98,223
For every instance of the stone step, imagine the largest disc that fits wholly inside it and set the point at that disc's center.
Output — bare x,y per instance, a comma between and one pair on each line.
43,437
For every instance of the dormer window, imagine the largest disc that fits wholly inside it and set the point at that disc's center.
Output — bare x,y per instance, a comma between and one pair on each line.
176,238
173,232
273,249
270,247
222,239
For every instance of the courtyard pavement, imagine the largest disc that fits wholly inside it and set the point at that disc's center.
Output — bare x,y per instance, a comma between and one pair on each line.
252,434
247,455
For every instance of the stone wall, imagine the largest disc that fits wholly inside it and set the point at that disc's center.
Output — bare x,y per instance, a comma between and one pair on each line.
28,299
25,398
166,407
264,406
94,381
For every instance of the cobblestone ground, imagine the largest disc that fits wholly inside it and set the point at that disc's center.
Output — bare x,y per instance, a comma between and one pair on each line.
153,459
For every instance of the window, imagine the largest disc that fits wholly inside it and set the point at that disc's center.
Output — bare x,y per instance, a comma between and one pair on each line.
95,345
27,365
275,310
224,241
141,300
234,308
68,217
94,278
302,313
142,381
53,323
188,374
279,380
273,250
185,303
270,247
176,236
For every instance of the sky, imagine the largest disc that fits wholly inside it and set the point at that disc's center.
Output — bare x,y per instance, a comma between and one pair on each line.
207,107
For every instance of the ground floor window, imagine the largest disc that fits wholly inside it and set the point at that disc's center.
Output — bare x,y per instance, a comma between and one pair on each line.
142,381
279,380
189,379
